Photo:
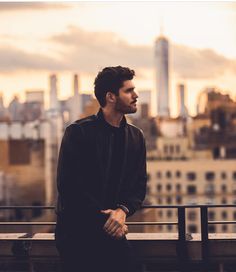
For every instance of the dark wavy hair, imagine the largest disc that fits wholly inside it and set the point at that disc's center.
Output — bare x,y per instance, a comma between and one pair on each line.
111,79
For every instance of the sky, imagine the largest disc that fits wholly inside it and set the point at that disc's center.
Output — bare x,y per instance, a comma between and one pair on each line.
41,38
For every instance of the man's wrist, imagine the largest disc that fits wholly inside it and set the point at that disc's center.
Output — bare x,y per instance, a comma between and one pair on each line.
123,208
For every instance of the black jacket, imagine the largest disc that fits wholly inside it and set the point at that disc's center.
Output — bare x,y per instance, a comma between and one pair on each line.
81,175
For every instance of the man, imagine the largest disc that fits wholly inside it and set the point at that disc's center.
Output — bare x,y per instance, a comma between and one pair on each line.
101,179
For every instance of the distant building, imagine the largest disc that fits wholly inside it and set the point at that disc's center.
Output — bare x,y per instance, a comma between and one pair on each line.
219,135
15,110
28,152
162,76
75,100
144,101
53,93
192,182
85,100
3,111
181,94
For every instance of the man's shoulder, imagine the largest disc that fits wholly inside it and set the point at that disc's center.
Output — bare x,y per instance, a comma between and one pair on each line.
135,129
86,121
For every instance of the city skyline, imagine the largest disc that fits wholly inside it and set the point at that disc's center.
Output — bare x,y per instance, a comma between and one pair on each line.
65,38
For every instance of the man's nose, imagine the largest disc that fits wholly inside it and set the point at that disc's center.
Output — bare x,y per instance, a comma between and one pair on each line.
135,95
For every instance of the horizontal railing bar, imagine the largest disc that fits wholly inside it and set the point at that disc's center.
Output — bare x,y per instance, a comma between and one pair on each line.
221,222
143,207
26,207
189,206
26,223
54,223
151,223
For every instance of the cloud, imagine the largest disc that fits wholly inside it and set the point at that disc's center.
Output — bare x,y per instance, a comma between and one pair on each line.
13,59
194,63
88,52
11,6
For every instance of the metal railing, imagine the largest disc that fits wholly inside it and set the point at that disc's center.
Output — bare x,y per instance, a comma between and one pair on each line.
182,251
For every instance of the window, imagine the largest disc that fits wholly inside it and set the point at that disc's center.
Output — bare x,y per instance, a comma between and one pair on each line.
224,201
168,174
234,175
223,175
178,199
171,149
19,152
169,213
169,227
160,213
212,228
223,188
234,215
211,215
191,189
224,228
192,215
178,174
210,189
160,227
192,228
168,200
224,215
159,187
210,176
178,187
168,187
191,176
159,174
159,200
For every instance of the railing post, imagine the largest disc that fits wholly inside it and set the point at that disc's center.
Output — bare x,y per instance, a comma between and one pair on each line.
182,251
204,237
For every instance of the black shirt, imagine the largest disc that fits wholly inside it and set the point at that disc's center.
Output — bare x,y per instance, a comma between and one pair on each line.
114,169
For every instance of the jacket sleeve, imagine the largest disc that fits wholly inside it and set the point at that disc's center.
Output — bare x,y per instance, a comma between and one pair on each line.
135,197
72,195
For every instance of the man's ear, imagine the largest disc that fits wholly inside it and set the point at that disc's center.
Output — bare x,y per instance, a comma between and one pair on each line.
110,97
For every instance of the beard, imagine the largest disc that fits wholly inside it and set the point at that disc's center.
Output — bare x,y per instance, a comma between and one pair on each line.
124,108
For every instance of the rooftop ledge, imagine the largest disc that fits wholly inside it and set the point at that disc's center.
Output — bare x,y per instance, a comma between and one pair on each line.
155,251
145,244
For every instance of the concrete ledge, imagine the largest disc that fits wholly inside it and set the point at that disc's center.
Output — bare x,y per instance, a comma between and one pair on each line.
146,245
156,252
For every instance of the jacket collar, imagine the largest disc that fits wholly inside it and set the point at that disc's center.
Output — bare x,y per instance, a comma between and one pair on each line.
102,120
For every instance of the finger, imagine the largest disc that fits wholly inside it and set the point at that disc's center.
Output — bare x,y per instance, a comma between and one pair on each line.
113,230
113,225
108,223
106,211
118,234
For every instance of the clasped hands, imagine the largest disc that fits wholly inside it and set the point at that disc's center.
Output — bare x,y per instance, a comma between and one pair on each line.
115,224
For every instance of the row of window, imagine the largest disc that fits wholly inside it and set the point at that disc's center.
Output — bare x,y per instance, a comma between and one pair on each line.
179,200
171,149
191,176
170,200
192,228
192,189
192,215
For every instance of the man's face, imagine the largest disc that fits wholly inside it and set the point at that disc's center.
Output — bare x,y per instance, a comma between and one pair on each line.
127,98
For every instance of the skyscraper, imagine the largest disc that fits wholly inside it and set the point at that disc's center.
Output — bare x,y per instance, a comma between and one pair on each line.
54,105
181,101
75,105
162,76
